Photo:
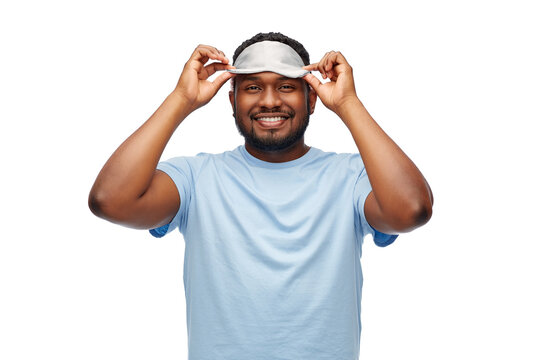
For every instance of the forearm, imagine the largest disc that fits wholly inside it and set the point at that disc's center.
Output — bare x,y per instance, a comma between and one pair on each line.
400,190
128,172
401,199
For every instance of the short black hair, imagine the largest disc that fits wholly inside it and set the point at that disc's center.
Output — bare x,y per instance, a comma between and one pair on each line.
274,36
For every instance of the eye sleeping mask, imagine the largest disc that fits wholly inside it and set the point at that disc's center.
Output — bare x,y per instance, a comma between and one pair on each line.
272,56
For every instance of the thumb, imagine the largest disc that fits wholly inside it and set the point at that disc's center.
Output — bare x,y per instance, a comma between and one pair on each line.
220,80
313,81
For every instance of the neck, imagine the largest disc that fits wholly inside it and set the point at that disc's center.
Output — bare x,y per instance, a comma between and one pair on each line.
293,152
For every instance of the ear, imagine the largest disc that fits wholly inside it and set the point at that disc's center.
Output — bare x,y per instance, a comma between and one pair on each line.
231,99
312,97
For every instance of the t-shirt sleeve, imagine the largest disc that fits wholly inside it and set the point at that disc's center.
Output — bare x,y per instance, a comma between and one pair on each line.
179,170
362,189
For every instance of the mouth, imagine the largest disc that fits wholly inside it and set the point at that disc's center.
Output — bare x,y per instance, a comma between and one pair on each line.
271,120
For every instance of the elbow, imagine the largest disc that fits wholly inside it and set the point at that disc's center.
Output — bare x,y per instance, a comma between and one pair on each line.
413,216
96,203
113,208
104,206
421,214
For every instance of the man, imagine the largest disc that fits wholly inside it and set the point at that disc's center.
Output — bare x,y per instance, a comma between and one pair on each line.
273,229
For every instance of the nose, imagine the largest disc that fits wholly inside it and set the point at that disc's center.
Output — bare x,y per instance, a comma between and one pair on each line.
270,98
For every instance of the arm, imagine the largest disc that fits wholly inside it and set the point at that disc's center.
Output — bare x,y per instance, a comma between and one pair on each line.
129,190
401,199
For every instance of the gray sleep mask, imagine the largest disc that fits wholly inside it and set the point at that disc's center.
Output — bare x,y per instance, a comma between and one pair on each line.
271,56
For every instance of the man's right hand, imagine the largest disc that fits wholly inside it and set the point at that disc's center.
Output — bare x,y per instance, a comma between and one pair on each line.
129,190
193,85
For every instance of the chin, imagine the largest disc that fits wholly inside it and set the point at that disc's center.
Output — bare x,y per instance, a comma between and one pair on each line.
270,143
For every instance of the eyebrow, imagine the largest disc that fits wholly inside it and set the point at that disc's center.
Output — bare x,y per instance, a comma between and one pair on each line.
255,78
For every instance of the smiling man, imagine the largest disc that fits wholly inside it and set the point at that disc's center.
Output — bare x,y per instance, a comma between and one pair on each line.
274,228
271,123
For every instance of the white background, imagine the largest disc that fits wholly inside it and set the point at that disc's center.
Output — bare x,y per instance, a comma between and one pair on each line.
454,83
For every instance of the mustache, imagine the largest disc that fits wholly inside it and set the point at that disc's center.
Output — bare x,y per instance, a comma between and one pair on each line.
290,113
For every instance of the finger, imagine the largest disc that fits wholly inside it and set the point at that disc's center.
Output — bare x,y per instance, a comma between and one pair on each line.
335,59
339,65
224,56
219,53
220,80
211,69
329,62
208,52
313,81
323,65
311,67
207,47
320,66
326,65
341,58
202,55
335,65
337,70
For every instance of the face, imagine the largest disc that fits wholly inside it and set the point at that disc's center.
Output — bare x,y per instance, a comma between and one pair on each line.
271,111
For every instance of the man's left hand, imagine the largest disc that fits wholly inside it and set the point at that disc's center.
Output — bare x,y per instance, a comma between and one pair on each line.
337,92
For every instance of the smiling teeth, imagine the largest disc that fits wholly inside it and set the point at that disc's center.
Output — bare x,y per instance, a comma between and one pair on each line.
271,119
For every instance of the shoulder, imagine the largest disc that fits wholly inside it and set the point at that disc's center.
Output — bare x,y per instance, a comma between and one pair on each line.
196,163
345,161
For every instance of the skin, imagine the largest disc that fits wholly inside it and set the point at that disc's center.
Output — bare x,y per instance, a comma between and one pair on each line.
271,94
401,199
131,192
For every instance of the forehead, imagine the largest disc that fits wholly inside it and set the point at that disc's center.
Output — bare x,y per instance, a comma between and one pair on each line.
269,77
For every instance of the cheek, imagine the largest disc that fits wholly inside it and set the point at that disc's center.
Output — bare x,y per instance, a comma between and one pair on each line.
244,105
300,103
298,97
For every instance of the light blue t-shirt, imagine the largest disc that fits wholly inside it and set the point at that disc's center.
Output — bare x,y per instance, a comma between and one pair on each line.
272,254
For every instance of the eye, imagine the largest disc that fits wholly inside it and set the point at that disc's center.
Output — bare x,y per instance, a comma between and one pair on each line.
252,88
286,87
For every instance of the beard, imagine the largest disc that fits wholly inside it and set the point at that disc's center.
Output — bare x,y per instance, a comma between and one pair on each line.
271,142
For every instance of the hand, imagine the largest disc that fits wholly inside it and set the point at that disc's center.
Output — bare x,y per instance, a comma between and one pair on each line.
340,89
193,85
